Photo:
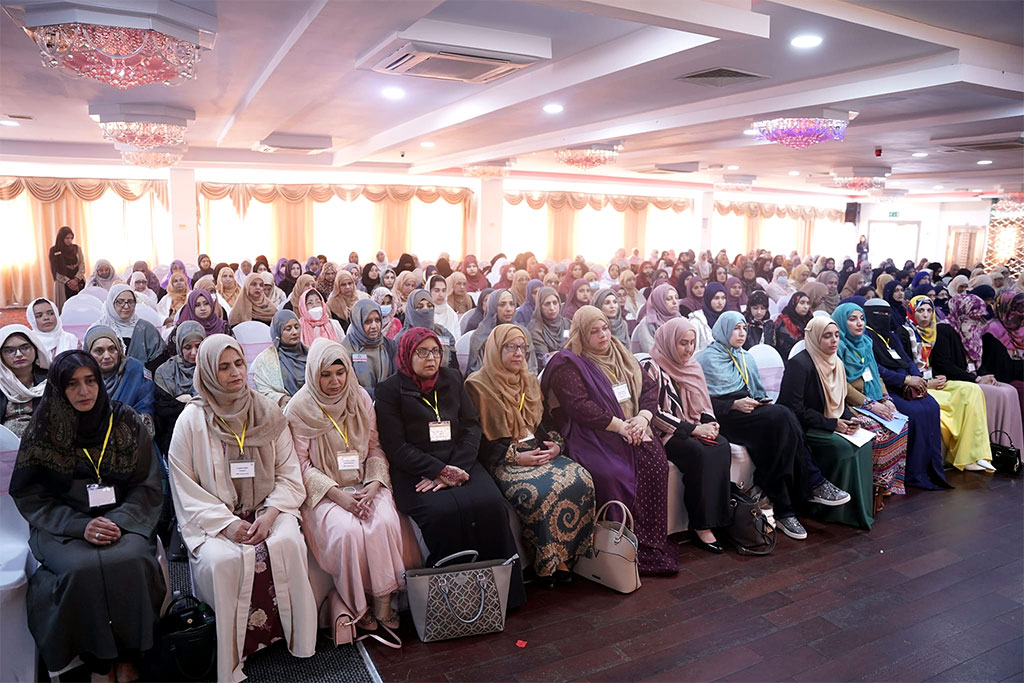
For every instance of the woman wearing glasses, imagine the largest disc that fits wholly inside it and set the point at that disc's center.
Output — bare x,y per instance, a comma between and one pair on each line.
140,338
23,365
430,432
553,496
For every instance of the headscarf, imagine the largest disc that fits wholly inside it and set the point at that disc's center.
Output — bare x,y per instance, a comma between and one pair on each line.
112,379
880,283
510,403
831,372
308,268
280,271
176,376
110,318
619,328
412,339
240,274
314,328
956,282
405,264
178,295
966,315
167,278
12,387
816,292
722,363
322,284
520,279
525,310
710,314
498,276
984,292
247,308
795,276
444,267
691,302
479,281
828,301
982,278
143,267
919,277
302,283
381,259
550,332
459,304
734,303
292,358
56,340
424,317
147,296
212,324
878,316
369,283
105,282
688,377
380,351
1008,324
853,283
378,296
780,285
657,313
488,323
228,294
572,303
898,310
758,298
793,321
341,305
288,283
64,257
615,362
396,291
856,352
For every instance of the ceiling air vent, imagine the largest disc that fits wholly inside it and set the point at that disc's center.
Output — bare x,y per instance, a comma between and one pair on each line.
721,77
1000,142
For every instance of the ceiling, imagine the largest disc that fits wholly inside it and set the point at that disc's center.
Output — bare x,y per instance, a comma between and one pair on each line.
916,73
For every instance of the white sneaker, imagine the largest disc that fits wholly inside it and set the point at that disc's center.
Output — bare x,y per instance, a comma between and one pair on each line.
986,465
974,467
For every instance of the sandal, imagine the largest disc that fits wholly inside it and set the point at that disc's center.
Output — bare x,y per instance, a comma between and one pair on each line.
390,623
879,502
367,622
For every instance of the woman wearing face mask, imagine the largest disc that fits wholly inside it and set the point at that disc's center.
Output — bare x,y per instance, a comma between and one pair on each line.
760,328
279,371
23,365
712,306
608,303
174,300
580,294
253,304
349,517
790,324
140,338
389,323
173,381
103,275
662,306
501,309
372,353
125,379
45,322
780,285
458,296
549,330
315,319
604,403
67,267
143,294
419,312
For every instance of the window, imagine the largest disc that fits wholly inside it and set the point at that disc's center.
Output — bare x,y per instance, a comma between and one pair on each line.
667,229
19,233
222,231
124,232
524,229
834,238
340,227
598,233
728,232
780,235
435,228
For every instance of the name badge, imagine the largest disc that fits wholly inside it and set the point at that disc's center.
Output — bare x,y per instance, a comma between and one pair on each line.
895,356
348,460
565,334
528,437
927,373
867,375
100,495
621,392
971,367
440,431
243,469
359,358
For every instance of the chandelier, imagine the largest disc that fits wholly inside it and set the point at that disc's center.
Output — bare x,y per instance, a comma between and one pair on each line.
860,183
116,55
153,158
489,170
739,182
144,134
800,132
589,156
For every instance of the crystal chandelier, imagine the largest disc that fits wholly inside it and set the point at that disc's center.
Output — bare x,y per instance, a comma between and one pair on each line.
489,170
116,55
860,183
153,158
589,156
800,132
144,134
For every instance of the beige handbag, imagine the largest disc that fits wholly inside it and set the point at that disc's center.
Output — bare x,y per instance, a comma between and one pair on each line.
612,561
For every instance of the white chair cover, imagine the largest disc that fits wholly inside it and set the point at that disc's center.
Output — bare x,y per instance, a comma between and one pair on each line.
95,292
149,315
770,366
253,336
77,320
16,565
797,348
462,349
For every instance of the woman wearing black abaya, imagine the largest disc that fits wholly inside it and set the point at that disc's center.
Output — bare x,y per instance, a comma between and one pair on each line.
67,266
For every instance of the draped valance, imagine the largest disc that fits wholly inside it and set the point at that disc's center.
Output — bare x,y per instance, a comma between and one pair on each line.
577,200
759,210
242,193
87,189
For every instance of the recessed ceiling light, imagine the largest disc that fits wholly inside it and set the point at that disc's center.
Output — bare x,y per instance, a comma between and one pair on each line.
427,143
984,162
733,167
806,41
553,108
8,122
794,173
750,131
936,187
888,173
393,93
919,155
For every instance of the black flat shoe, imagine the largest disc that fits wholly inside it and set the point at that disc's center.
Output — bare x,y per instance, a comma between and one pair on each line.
714,548
546,582
563,577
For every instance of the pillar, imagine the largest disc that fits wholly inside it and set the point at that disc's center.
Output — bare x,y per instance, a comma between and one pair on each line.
488,233
181,189
706,207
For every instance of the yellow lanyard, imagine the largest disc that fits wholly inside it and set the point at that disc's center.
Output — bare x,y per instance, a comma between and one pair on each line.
434,406
522,401
344,435
744,374
880,337
239,439
96,464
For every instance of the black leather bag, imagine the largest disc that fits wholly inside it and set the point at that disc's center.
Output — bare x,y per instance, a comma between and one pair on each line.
750,532
1006,459
186,643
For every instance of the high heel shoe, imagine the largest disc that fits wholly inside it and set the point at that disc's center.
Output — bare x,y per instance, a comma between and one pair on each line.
715,547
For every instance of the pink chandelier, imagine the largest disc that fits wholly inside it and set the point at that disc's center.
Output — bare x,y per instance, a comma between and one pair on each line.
118,56
590,156
144,134
860,183
799,133
153,158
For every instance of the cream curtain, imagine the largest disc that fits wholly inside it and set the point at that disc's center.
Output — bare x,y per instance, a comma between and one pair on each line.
756,209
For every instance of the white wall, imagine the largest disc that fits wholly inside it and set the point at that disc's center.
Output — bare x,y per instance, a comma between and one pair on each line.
935,218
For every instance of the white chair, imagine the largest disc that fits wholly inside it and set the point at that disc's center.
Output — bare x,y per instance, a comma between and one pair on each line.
84,302
797,348
462,349
161,272
253,336
770,367
95,292
78,320
819,314
16,565
149,315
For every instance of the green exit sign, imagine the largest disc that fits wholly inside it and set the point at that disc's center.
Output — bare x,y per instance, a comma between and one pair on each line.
894,214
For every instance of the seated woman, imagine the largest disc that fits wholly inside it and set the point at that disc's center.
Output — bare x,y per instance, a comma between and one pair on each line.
712,306
23,365
608,302
205,268
315,319
344,298
603,402
389,324
87,482
430,432
124,378
141,340
548,329
790,324
444,315
405,283
280,370
253,304
1002,341
228,289
691,295
579,294
735,295
291,275
662,306
419,312
237,502
143,294
372,354
472,320
103,275
501,308
174,300
271,290
685,423
300,285
830,299
771,433
173,381
45,322
962,403
458,296
780,285
553,496
814,387
524,312
349,517
760,328
634,299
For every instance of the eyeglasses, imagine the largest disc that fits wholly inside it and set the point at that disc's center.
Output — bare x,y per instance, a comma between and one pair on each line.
124,303
12,351
427,353
513,348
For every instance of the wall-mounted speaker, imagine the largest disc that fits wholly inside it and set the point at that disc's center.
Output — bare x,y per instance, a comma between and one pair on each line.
852,213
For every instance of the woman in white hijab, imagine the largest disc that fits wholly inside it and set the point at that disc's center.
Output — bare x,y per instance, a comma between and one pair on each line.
45,322
140,285
237,489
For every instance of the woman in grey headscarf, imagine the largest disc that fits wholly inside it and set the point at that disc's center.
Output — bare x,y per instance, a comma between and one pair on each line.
419,312
173,380
372,353
280,369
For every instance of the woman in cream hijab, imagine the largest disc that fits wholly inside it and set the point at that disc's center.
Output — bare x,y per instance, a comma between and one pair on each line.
349,517
237,489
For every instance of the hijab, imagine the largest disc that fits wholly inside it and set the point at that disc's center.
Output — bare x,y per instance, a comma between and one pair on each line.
758,298
310,263
176,376
525,310
230,293
341,305
616,363
178,295
829,301
147,296
110,318
487,323
56,340
688,377
816,292
721,362
378,297
520,280
423,317
831,372
380,350
405,264
550,332
690,301
313,328
572,303
620,330
510,403
966,316
280,271
105,282
248,308
302,283
479,281
151,278
853,283
1008,323
710,314
171,271
734,303
857,353
212,324
878,316
956,282
65,258
370,283
397,299
12,387
657,313
323,285
408,344
898,312
880,283
459,304
240,274
288,283
793,321
112,379
780,285
292,358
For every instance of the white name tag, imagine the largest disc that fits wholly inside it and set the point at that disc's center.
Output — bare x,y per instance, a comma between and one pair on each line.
621,392
867,375
100,495
441,431
528,437
359,358
565,334
892,352
927,373
971,367
243,469
348,460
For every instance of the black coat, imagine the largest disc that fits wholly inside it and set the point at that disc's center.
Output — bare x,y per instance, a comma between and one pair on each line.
949,357
801,392
996,360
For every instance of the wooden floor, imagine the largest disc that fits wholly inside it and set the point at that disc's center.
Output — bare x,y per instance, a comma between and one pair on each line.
933,592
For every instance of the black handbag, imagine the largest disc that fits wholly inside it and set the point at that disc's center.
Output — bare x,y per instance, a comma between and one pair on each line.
750,531
1006,459
186,643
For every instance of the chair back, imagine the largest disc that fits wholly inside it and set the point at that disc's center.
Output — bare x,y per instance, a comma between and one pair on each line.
462,349
149,315
161,272
94,292
253,336
13,527
797,348
769,364
78,319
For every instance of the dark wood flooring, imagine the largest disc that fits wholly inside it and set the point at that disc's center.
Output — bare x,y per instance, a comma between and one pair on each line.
932,592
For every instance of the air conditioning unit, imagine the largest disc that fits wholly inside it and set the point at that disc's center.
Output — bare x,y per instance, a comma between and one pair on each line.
455,52
293,144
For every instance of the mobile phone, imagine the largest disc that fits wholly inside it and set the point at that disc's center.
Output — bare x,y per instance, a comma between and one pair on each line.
764,401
